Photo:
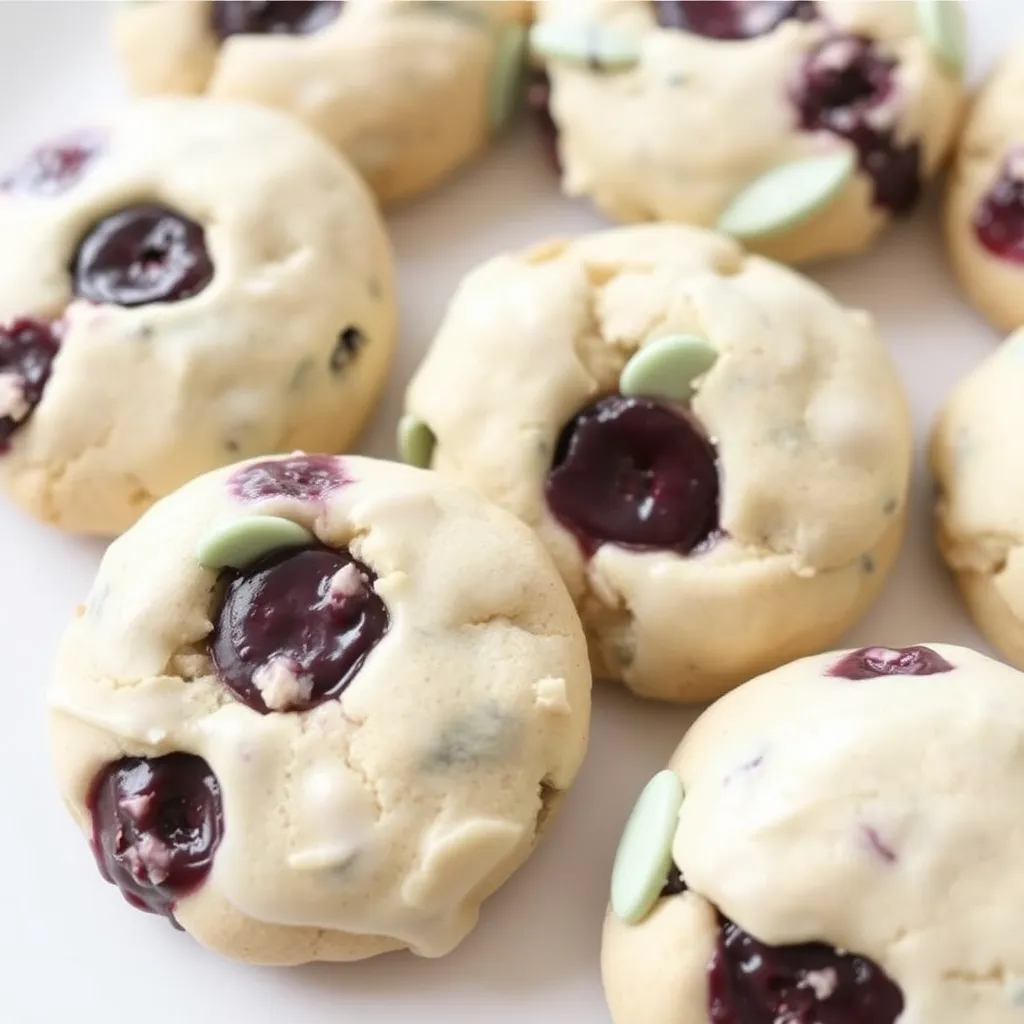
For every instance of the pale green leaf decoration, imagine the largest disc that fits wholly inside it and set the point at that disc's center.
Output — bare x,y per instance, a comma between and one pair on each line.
788,195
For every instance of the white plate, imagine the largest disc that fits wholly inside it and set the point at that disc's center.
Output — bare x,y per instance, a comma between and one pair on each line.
72,951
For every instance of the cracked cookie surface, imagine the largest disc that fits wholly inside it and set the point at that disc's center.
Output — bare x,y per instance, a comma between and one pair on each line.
979,510
825,858
323,824
175,290
703,111
407,90
984,212
806,419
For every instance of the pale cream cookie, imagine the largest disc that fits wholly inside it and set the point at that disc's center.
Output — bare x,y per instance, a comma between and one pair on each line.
834,842
408,90
800,127
192,283
716,452
984,213
978,464
319,708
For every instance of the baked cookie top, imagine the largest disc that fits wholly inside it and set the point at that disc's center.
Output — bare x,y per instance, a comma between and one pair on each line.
686,427
408,90
385,695
985,199
838,825
190,283
799,127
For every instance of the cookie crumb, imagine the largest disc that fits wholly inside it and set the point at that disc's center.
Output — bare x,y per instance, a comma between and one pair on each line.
280,685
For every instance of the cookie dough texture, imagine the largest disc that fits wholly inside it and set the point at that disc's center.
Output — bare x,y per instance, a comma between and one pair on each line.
979,514
401,87
794,786
994,130
432,775
681,134
803,404
142,399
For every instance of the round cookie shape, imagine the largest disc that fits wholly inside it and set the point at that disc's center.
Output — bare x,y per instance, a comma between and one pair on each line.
979,509
984,211
824,859
708,536
408,90
192,283
802,128
351,756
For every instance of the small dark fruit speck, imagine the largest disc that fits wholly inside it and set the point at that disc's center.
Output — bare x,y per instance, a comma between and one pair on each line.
871,662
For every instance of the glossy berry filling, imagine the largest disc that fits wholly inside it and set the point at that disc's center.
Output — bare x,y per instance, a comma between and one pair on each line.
302,477
156,825
731,19
634,472
848,87
871,662
811,983
999,216
142,254
272,17
55,167
27,351
293,630
750,982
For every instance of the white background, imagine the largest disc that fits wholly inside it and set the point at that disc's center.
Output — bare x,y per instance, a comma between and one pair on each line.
71,950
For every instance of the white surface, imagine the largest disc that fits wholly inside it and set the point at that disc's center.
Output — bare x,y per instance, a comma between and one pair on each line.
71,950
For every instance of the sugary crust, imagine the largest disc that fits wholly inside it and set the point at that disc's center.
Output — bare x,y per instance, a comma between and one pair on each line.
979,513
680,135
803,403
142,399
382,819
822,809
400,87
995,125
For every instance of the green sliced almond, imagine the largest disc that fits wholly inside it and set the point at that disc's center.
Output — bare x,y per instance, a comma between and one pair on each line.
586,43
645,851
788,195
943,25
415,441
239,542
667,367
505,85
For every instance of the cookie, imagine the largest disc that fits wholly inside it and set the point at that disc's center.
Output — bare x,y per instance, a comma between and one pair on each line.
823,847
715,452
979,510
801,128
191,284
408,90
319,708
984,213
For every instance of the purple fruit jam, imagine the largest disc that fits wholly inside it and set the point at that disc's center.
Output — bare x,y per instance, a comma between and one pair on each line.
999,216
273,17
634,472
55,167
156,825
752,983
142,254
871,662
848,87
303,477
27,351
294,629
731,19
